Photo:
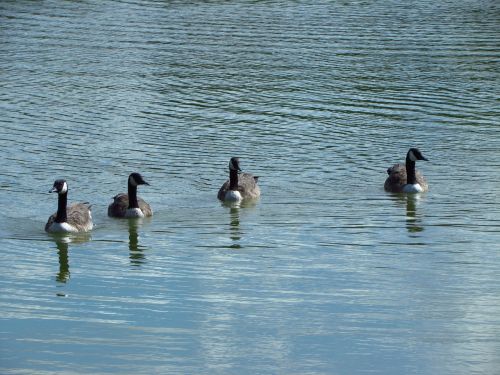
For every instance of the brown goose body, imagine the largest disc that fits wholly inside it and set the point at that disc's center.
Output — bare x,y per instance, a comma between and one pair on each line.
397,179
120,206
239,186
79,218
247,186
404,178
129,205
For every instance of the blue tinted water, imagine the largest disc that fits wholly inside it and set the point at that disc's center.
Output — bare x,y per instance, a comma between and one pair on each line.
326,273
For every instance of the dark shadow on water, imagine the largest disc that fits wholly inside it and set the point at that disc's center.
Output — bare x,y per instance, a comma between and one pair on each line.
63,275
413,218
234,227
136,251
62,242
235,233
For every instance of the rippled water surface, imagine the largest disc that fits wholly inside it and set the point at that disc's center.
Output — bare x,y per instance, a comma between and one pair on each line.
326,273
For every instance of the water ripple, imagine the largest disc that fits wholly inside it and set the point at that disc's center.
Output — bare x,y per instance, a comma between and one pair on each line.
326,273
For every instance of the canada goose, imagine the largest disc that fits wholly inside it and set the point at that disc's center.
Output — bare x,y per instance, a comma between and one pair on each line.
238,187
129,205
403,178
72,219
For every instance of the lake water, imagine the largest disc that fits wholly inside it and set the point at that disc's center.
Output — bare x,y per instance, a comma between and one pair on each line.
326,273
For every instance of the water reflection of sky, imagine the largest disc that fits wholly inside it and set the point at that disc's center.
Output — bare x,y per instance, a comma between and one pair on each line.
326,273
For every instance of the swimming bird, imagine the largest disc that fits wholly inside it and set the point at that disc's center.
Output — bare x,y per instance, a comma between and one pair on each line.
239,186
403,178
130,205
72,219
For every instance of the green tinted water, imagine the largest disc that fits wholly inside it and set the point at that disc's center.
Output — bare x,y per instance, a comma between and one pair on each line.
327,273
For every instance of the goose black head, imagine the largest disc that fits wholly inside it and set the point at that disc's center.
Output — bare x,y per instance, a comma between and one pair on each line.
414,154
234,164
60,187
136,179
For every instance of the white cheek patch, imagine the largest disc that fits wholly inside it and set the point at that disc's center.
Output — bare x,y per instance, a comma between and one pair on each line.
133,182
412,156
233,165
64,188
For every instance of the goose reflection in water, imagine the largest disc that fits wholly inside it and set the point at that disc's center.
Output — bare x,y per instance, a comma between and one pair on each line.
62,242
137,256
235,210
234,227
413,219
63,275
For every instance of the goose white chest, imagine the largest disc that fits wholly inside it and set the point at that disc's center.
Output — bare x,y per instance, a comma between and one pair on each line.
233,196
412,188
134,213
62,228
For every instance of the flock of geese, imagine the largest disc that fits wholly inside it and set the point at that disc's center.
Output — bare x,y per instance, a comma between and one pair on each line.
403,178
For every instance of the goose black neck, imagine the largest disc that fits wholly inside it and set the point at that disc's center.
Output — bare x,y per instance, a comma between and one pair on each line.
62,202
132,196
233,179
411,177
